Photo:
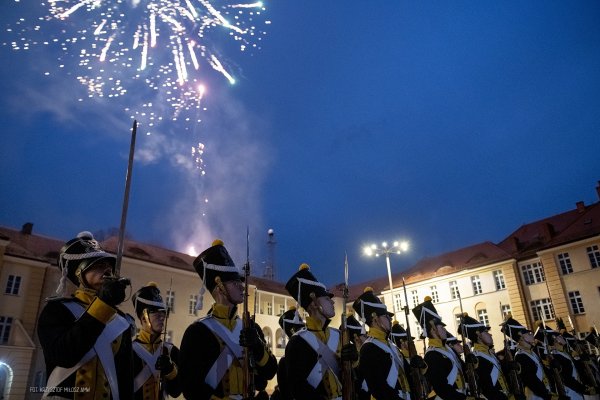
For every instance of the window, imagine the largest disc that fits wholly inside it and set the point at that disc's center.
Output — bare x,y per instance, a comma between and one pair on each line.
269,308
505,309
192,306
594,256
542,308
169,338
268,337
5,324
533,273
170,301
280,339
13,284
415,297
565,263
398,301
499,280
434,294
453,290
476,282
281,308
482,315
576,302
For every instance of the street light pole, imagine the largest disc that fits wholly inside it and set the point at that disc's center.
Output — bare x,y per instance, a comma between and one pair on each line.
398,248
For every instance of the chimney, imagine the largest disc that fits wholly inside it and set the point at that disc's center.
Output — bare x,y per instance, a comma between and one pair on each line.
27,228
580,207
548,231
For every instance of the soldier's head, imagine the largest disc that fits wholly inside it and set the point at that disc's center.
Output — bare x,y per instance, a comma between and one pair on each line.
475,331
429,320
150,308
83,262
220,275
311,294
399,335
372,311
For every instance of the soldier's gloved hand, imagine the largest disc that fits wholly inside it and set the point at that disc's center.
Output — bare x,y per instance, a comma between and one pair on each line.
112,292
349,352
249,338
164,364
417,362
471,358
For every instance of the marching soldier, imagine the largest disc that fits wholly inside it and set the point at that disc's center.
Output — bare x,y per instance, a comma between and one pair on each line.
381,362
533,375
211,357
86,339
568,370
492,382
313,355
154,362
291,322
444,371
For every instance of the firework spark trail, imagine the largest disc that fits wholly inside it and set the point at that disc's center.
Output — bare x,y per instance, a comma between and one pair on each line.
100,41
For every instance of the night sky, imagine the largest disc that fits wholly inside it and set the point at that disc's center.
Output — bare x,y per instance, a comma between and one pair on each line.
442,123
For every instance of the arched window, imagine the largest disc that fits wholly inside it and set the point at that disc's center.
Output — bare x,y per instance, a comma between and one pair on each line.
268,336
281,339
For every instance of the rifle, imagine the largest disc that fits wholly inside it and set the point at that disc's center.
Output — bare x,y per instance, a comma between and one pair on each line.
419,381
471,376
248,370
165,350
514,382
121,241
586,362
347,380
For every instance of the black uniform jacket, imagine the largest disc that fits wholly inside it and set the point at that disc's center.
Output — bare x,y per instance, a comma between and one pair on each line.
200,348
65,340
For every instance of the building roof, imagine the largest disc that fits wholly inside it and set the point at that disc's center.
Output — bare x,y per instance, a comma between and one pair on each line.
563,228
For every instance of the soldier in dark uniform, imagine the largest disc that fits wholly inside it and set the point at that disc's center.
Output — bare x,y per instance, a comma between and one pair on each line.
86,340
492,382
533,374
313,355
291,322
381,362
211,357
418,382
154,362
569,374
444,372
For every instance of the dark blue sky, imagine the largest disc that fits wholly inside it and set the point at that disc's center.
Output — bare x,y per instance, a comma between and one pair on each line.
442,123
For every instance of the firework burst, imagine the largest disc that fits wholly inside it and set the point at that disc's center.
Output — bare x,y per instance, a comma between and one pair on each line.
158,49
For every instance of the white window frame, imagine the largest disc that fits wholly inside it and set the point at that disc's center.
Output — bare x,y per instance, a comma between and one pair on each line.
542,306
5,326
170,300
192,305
13,285
476,284
435,298
499,280
564,260
576,302
398,301
593,254
483,317
533,273
506,309
453,290
415,297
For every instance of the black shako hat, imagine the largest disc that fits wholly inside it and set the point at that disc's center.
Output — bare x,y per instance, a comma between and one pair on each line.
367,305
513,328
544,333
427,315
291,321
214,263
79,254
148,297
354,328
470,326
592,337
302,284
398,333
